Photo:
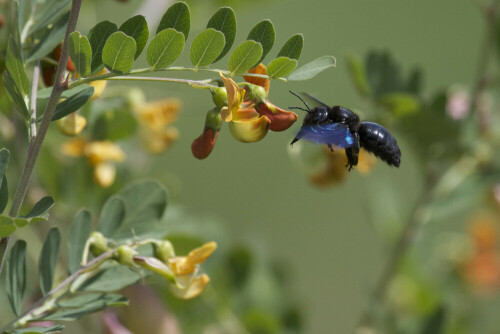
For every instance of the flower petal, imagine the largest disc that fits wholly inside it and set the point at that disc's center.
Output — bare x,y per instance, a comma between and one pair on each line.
235,95
99,85
72,124
194,289
204,144
366,162
263,82
104,174
184,265
280,119
74,147
249,126
100,151
155,265
157,114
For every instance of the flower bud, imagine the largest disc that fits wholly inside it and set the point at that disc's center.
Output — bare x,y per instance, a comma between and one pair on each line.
219,96
72,124
164,250
255,93
204,144
125,255
98,243
155,265
280,119
104,174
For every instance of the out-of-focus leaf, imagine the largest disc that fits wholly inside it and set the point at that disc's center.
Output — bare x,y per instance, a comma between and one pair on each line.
4,194
15,95
165,48
4,163
98,36
114,125
32,330
47,14
383,74
24,8
293,47
137,28
400,104
435,323
311,69
49,38
178,18
97,305
80,299
48,260
263,33
206,47
224,20
246,55
259,321
73,103
78,235
281,67
7,226
415,82
111,279
119,52
80,53
40,207
15,278
44,94
239,265
145,204
358,75
14,64
112,216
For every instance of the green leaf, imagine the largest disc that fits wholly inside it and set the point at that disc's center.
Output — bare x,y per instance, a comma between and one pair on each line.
40,207
42,330
206,47
14,64
358,75
78,235
48,260
137,28
15,278
245,56
145,204
80,53
98,36
4,162
112,216
24,8
73,103
400,104
165,48
15,95
91,306
118,53
435,323
114,125
7,226
311,69
111,279
178,18
4,194
280,67
47,14
49,38
293,47
224,20
383,74
263,32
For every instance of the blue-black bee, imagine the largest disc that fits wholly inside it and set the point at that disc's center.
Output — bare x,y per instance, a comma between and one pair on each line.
340,127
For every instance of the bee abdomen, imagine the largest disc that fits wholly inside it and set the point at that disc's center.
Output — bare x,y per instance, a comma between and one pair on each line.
377,140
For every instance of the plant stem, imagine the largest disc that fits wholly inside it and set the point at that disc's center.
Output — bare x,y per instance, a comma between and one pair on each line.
48,299
34,88
110,75
36,144
194,83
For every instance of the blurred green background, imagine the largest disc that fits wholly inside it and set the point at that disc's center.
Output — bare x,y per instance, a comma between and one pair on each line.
330,239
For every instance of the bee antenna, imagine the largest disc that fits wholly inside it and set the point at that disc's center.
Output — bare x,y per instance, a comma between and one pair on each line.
300,98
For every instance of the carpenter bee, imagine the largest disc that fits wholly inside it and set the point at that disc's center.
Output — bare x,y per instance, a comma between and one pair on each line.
340,127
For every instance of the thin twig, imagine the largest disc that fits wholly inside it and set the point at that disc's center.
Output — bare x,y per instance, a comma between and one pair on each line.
23,318
34,150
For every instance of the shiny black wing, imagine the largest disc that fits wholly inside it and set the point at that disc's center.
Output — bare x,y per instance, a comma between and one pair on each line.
330,134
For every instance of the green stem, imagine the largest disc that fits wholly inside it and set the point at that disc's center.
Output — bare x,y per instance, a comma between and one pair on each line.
46,302
109,76
36,144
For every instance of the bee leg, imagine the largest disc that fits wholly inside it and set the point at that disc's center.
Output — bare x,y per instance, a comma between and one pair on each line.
352,154
330,147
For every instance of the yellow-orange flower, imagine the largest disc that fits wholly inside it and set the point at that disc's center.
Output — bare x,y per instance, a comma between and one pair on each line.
99,85
72,124
155,118
99,154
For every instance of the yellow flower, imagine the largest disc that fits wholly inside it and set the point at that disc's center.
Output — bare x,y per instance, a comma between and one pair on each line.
182,271
72,124
235,96
99,85
154,119
366,162
98,154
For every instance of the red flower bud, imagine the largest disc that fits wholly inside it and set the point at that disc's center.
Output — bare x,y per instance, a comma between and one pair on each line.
280,119
204,144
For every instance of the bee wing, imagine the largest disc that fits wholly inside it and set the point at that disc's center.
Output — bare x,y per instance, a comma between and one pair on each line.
314,100
330,134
